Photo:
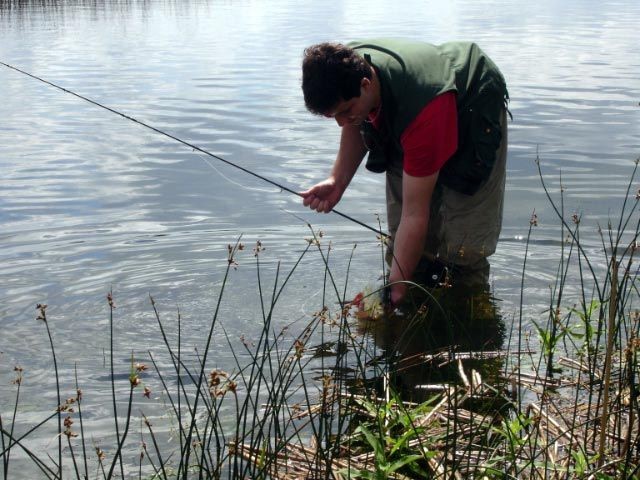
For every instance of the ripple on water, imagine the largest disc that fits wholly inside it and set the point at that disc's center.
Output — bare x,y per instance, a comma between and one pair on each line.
90,202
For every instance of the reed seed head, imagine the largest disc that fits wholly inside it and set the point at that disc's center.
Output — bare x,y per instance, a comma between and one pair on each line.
214,378
18,380
110,300
101,455
216,386
41,307
258,248
68,422
299,346
534,220
134,379
232,386
141,367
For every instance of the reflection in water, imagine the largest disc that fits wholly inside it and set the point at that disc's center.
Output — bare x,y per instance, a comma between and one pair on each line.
440,326
88,203
56,6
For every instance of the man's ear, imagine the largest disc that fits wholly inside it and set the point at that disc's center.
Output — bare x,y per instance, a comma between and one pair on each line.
365,84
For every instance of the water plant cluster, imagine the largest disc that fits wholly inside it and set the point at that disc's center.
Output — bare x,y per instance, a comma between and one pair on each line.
439,389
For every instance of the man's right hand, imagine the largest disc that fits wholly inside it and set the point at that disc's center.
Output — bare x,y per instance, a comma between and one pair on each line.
323,196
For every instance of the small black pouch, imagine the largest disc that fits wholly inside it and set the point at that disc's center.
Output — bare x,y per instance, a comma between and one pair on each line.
378,145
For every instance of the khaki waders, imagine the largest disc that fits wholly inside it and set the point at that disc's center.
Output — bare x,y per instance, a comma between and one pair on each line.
463,229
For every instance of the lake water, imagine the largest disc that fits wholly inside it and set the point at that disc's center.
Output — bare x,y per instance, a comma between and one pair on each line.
90,202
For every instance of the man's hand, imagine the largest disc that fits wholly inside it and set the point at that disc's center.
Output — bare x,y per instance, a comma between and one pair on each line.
409,239
398,291
323,196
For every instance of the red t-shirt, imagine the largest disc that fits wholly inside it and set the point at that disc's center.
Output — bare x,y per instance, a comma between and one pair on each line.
431,138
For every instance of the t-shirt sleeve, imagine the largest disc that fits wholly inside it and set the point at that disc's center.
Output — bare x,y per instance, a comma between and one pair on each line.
432,137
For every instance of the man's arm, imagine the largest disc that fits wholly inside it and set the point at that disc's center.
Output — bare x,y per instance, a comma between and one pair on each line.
428,142
323,196
412,230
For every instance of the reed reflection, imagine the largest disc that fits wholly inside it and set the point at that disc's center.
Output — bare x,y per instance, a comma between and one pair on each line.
451,320
56,9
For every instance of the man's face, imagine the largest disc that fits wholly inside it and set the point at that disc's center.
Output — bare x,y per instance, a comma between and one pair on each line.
355,110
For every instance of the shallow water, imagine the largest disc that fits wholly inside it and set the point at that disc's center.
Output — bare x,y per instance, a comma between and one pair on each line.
90,202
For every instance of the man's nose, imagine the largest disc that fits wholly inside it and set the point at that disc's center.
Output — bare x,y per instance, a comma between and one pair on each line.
340,120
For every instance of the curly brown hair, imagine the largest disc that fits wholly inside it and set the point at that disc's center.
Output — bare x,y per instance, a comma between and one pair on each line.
331,73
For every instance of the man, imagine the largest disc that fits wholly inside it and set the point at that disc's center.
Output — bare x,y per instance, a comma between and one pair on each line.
434,119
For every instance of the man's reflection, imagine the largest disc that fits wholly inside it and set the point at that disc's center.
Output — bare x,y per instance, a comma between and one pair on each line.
454,318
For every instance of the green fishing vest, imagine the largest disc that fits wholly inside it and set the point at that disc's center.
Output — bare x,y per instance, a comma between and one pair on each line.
411,75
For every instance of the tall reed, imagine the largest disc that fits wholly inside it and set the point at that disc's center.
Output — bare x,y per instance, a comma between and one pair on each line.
429,391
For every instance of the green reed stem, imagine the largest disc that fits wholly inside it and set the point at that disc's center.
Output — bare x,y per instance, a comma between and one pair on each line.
186,451
179,386
165,388
73,457
5,459
118,455
79,401
44,468
623,223
151,462
631,360
613,303
27,433
256,375
201,458
177,363
43,316
113,380
533,222
155,447
560,216
175,359
5,456
13,423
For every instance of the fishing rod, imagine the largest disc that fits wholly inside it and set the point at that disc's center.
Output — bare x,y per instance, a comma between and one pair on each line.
184,142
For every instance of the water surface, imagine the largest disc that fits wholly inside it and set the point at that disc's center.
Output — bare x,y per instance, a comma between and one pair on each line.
90,202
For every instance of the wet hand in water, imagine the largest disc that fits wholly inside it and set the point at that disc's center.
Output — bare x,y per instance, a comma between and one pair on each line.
397,294
323,196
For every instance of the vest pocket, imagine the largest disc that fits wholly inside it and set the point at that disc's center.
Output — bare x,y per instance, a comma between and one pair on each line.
376,161
479,138
486,136
378,158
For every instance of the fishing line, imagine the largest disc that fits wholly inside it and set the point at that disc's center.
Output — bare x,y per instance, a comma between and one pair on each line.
183,142
237,184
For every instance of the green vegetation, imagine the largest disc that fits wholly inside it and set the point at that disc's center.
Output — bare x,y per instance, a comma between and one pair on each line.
430,393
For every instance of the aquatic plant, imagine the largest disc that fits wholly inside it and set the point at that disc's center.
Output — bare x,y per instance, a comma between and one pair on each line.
430,391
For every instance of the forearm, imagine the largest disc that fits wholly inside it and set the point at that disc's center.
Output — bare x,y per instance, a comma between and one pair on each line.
408,245
349,157
412,231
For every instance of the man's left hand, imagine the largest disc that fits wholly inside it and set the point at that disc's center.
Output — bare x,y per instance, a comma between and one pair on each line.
398,292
